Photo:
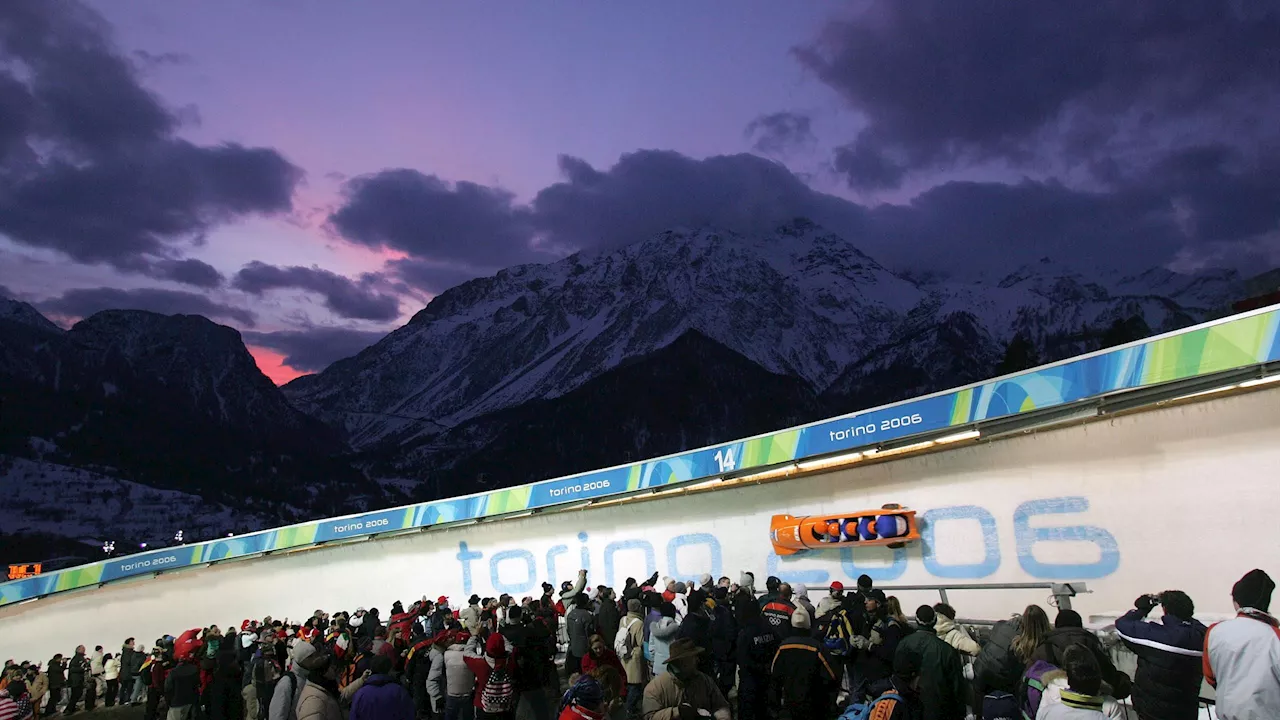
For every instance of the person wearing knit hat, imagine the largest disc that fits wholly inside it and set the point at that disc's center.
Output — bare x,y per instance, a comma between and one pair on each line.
805,674
1242,654
935,667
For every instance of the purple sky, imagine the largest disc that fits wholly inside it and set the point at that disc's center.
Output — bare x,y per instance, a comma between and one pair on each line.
1128,135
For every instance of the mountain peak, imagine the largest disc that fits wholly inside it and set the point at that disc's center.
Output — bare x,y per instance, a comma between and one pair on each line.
16,311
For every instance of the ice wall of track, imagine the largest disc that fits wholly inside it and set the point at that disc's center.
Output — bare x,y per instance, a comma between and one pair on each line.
1181,497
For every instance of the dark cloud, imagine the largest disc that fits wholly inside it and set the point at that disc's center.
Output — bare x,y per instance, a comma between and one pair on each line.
780,132
649,191
83,302
89,163
1206,195
430,277
188,272
314,349
431,219
945,83
348,298
996,225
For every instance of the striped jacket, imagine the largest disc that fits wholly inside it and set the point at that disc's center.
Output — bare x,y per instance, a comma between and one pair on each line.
1167,683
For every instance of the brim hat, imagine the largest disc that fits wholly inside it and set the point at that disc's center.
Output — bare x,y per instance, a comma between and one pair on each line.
683,648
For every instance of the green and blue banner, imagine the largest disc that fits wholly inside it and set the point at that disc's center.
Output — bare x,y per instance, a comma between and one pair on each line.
1228,344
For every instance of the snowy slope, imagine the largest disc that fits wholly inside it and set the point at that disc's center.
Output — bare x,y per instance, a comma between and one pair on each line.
43,497
797,301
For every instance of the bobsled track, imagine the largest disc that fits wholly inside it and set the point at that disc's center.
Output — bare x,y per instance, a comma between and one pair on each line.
1175,491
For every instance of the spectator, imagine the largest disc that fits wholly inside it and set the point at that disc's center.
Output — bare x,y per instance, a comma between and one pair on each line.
1167,683
580,626
661,635
803,675
696,626
833,600
778,610
633,657
77,676
318,698
886,631
682,692
1080,699
724,636
380,696
953,633
934,667
111,679
1242,655
757,644
1069,630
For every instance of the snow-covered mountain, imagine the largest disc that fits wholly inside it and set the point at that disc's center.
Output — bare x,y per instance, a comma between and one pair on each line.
174,402
797,301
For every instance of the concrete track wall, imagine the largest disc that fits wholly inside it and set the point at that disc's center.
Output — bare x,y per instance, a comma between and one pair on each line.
1182,497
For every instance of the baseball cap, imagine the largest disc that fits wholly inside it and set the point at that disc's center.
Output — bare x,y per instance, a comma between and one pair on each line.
443,600
837,585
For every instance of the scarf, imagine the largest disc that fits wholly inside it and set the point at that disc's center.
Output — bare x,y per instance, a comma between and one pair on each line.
1071,698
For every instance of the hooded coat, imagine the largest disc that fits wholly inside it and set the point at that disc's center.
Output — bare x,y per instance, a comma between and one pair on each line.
382,698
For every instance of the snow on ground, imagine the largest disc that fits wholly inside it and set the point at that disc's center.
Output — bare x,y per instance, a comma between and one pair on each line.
42,497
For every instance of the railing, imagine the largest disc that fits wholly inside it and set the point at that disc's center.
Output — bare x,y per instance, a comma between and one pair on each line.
1061,592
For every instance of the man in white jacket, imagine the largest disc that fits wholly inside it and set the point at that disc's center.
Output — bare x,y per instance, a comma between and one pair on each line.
1242,655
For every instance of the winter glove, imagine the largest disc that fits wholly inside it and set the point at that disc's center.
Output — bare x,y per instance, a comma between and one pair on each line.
859,643
1145,603
876,639
688,712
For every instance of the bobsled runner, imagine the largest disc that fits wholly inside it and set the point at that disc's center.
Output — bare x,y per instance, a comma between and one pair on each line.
892,526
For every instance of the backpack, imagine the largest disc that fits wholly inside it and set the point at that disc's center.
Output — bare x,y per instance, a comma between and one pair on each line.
998,705
622,640
879,709
499,694
839,631
1032,688
351,671
296,692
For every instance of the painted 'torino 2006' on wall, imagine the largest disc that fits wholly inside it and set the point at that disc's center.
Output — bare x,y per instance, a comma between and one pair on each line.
1227,344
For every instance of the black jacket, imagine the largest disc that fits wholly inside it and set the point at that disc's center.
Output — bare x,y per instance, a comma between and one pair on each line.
127,667
924,655
182,685
1167,683
1056,644
57,674
533,663
608,618
697,627
724,634
996,667
876,662
77,668
757,644
805,677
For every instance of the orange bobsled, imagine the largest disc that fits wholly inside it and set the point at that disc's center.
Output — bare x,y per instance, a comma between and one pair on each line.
891,525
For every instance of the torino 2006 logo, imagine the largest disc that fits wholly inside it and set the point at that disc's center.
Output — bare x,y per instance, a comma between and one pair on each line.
575,489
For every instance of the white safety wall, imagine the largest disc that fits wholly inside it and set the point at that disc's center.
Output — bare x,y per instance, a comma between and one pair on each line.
1182,497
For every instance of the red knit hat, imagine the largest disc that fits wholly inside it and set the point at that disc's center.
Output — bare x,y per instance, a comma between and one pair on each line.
496,646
